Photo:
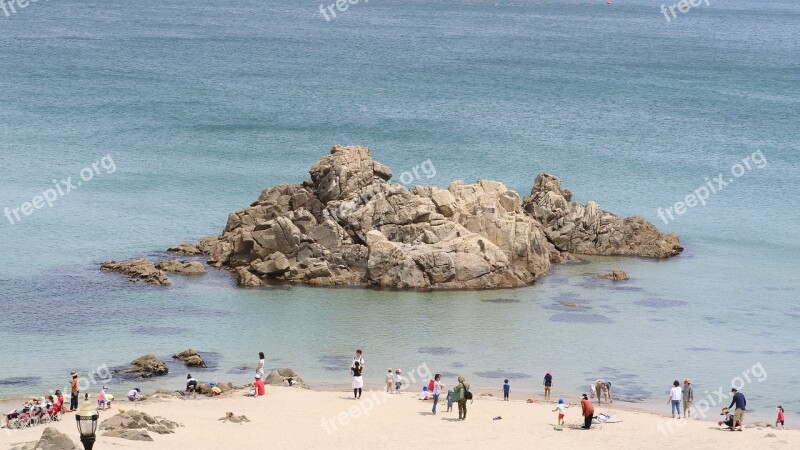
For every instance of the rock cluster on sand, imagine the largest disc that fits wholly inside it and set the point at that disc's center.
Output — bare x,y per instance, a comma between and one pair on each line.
51,439
134,425
275,378
615,275
190,358
205,388
139,269
348,225
230,417
147,366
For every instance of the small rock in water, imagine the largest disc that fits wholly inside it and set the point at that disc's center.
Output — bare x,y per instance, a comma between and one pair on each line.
190,358
615,275
185,248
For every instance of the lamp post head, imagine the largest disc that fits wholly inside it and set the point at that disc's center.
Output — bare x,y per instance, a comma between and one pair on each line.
86,418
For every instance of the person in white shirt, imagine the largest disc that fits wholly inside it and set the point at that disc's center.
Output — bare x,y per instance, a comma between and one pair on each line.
437,389
358,359
675,397
260,367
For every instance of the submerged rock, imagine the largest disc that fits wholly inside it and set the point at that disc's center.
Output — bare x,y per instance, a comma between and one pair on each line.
138,269
349,225
615,275
191,358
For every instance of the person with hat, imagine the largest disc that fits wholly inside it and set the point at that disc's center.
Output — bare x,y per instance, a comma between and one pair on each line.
75,391
134,394
688,397
727,420
258,386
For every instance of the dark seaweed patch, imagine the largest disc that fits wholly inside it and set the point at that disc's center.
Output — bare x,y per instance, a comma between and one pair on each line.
20,381
159,331
437,350
580,318
660,303
500,300
333,363
448,375
502,374
457,364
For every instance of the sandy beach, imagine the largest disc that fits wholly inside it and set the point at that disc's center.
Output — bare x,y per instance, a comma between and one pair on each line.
291,418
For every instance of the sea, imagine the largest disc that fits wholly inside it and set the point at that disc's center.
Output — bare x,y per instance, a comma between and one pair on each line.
127,127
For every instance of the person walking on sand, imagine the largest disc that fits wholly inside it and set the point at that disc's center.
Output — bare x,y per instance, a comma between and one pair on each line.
675,396
437,389
780,418
462,393
260,367
358,380
741,406
688,397
562,410
548,384
587,410
75,391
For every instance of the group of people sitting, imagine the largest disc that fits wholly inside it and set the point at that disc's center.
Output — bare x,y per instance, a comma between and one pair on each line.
36,410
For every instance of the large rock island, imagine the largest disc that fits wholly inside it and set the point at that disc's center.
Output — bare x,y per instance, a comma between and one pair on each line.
349,225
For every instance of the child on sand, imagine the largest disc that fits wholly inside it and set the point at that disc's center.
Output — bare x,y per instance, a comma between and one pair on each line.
449,399
398,381
561,408
506,389
780,418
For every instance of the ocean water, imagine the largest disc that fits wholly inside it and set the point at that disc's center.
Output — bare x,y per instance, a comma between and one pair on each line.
197,107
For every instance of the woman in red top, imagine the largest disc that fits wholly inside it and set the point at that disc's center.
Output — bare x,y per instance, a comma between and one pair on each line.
587,409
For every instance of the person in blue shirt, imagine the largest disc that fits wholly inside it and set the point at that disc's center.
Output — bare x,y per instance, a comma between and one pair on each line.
506,390
741,407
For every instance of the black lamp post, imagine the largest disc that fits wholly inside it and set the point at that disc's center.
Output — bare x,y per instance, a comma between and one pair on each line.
87,423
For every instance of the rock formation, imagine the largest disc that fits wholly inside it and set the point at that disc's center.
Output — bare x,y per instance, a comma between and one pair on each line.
191,358
348,225
147,366
185,249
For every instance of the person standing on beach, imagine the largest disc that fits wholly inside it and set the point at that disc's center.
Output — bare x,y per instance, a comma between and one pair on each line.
548,384
75,391
781,417
437,389
675,396
389,381
587,410
741,406
460,393
358,380
260,367
506,390
688,397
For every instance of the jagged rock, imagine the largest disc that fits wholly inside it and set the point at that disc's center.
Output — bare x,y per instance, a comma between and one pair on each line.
148,366
51,439
349,225
276,377
205,388
245,278
190,358
124,424
588,229
138,269
615,275
185,249
182,267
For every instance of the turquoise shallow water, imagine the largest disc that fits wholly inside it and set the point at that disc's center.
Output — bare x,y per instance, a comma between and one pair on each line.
202,106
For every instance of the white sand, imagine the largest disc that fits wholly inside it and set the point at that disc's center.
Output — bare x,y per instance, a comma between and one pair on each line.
293,418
